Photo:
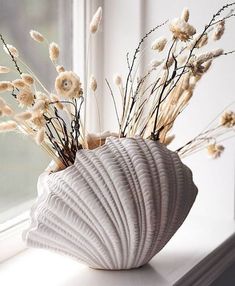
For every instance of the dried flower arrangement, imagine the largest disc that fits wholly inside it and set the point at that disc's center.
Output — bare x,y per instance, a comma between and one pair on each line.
151,102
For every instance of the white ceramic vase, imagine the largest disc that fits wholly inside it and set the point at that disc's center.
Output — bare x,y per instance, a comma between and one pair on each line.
116,207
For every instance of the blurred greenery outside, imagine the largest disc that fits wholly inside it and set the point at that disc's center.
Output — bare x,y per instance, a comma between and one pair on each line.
21,160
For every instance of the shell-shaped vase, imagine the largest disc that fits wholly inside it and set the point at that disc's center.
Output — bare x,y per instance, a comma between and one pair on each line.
116,207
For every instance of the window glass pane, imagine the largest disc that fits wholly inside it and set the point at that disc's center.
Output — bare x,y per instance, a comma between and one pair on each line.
21,161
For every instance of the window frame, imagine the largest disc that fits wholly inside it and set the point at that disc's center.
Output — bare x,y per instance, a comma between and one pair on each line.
11,230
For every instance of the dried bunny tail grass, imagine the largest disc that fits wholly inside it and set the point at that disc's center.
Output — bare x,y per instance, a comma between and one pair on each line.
185,14
159,44
95,22
4,69
215,150
54,51
40,136
117,79
27,78
93,83
36,36
60,68
168,63
218,30
5,86
19,83
155,63
198,41
8,126
7,110
23,116
2,103
55,99
209,55
12,50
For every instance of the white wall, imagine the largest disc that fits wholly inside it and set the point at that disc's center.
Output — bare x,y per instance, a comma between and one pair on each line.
124,22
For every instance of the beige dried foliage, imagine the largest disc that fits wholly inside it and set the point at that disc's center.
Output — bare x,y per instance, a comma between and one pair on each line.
218,30
117,79
38,119
23,116
36,36
27,78
25,97
96,20
7,110
40,136
185,14
8,126
12,50
60,68
181,29
54,51
19,83
4,69
5,86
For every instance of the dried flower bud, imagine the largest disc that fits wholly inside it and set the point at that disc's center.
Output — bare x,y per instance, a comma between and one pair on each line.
68,85
36,36
159,44
57,102
12,50
27,78
168,63
5,86
25,97
215,150
209,55
8,126
228,119
4,69
181,29
60,69
19,83
117,79
6,110
93,83
23,116
39,138
54,51
155,63
219,31
185,14
38,119
95,22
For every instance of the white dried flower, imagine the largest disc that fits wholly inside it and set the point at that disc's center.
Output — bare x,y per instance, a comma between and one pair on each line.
68,85
4,69
19,83
117,79
215,150
25,97
60,69
36,36
27,78
8,126
159,44
95,22
93,83
181,29
23,116
5,86
39,138
185,14
54,51
12,50
219,31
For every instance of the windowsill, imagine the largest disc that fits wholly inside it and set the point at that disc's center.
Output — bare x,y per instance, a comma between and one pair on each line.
198,253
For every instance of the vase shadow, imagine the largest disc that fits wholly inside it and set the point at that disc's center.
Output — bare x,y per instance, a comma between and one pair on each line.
145,275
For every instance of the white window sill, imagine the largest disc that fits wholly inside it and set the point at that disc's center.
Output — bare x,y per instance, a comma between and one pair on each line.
198,253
